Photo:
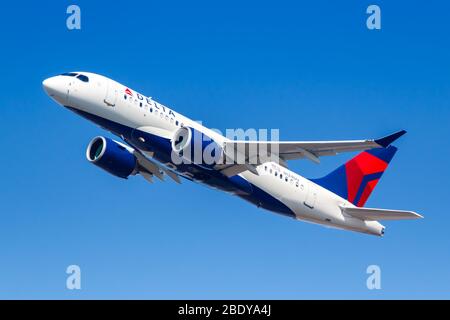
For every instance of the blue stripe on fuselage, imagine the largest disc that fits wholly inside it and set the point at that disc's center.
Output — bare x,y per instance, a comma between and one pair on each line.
162,153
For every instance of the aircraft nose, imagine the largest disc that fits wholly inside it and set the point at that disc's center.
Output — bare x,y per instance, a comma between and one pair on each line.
52,86
56,88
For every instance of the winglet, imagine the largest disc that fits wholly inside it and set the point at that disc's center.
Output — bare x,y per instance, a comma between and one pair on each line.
386,141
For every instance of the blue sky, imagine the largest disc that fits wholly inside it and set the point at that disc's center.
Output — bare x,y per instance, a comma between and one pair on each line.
311,69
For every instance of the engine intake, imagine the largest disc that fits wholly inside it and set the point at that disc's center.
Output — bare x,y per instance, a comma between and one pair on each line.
111,156
196,147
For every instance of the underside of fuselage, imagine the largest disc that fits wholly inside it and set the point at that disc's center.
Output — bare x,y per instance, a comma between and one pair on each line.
162,150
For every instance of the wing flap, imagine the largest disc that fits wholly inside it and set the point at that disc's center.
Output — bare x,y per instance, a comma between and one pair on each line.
374,214
149,165
149,168
154,168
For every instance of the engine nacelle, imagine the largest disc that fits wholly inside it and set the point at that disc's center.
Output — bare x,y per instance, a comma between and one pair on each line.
196,147
111,156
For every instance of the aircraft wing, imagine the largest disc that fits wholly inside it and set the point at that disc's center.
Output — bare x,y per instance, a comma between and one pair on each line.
381,214
147,167
254,151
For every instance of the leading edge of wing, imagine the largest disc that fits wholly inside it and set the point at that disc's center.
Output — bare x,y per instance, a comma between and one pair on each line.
289,150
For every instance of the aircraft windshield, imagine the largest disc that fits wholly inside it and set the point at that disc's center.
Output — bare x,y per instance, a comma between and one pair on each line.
69,74
83,78
79,76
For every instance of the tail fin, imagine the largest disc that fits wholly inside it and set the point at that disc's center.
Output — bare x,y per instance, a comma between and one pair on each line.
356,179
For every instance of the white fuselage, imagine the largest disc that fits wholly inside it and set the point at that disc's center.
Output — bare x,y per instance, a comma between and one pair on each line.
107,101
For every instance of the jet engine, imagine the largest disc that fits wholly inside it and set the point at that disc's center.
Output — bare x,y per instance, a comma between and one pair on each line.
196,147
111,156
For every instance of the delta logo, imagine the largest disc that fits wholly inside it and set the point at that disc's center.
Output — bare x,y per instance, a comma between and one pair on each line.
128,92
149,101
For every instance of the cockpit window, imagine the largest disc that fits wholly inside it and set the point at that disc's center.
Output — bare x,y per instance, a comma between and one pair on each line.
69,74
83,78
80,76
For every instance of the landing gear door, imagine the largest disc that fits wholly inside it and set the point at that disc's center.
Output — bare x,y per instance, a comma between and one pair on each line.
111,93
311,196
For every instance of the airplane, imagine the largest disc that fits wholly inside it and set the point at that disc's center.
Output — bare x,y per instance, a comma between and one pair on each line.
154,141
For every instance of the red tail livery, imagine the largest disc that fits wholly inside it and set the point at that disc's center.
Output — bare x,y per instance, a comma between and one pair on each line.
356,179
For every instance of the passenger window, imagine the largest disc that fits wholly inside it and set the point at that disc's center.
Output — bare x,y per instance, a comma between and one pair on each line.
176,123
281,176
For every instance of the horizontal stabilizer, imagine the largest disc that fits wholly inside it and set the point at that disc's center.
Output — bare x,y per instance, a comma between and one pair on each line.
380,214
